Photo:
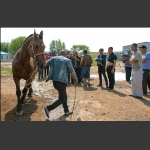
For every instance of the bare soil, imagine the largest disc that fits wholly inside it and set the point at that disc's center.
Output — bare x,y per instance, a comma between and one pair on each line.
91,103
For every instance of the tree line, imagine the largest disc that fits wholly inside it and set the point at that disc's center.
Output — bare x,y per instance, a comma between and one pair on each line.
54,45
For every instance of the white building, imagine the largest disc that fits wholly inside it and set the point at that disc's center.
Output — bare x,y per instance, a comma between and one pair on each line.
147,44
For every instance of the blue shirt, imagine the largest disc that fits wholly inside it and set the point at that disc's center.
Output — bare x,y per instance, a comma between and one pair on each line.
103,59
146,64
59,67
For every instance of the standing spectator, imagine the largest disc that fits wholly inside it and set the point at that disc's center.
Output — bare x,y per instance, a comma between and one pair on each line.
127,65
40,74
69,74
46,69
58,73
101,63
137,72
110,68
148,81
86,62
145,67
76,65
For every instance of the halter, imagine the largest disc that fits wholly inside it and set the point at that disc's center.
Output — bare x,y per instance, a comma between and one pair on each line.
36,68
34,55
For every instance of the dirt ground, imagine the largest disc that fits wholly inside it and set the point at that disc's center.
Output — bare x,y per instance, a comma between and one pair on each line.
91,103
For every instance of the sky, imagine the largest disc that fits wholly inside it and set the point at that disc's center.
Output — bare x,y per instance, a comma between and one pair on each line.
94,38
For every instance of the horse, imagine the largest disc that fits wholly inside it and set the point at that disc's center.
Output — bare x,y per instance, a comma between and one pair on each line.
28,60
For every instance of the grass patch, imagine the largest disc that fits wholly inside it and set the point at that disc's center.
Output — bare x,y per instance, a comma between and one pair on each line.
6,70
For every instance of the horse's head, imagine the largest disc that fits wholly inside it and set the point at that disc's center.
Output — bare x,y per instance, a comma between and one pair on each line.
36,49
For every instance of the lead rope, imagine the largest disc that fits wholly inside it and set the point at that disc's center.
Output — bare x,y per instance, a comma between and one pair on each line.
74,102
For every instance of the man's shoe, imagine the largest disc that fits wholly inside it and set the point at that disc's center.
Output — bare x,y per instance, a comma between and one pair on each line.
110,90
100,85
47,112
68,113
138,97
130,95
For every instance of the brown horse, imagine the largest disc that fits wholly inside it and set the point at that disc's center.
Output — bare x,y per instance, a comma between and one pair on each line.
28,60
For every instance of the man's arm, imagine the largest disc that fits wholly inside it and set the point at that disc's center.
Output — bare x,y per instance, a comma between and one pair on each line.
114,65
91,60
81,62
48,62
133,60
144,59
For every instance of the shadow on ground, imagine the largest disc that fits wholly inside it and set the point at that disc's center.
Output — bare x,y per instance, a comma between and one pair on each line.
28,108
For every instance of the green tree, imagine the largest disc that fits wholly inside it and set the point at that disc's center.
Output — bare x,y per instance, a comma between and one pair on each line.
80,48
57,45
63,46
5,46
16,44
52,47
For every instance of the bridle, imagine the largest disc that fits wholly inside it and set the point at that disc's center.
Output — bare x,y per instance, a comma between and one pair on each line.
34,58
35,55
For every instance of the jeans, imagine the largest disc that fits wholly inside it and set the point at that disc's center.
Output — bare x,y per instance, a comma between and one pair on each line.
85,73
101,71
111,77
145,79
128,73
61,88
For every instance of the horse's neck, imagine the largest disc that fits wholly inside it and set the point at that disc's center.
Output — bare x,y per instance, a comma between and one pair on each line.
24,56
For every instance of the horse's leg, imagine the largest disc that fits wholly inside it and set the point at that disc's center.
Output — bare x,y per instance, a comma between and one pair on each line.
18,93
30,91
24,92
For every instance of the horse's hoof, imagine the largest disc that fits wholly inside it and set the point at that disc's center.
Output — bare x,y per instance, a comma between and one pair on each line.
19,113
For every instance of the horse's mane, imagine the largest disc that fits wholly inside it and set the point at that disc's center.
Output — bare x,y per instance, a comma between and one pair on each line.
32,35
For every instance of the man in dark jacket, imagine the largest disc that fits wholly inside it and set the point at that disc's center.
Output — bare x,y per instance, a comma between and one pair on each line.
76,65
70,56
101,63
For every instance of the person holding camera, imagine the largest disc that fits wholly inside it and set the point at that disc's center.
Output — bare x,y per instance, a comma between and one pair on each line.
101,63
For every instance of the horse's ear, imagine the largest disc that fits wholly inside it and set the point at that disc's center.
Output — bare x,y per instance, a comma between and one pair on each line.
41,33
34,34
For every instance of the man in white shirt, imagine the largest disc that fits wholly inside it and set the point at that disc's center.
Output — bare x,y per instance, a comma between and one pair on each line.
137,72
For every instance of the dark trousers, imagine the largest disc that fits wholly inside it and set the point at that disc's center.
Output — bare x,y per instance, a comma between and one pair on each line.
61,88
145,79
111,77
128,73
101,71
69,77
78,73
148,81
40,74
46,71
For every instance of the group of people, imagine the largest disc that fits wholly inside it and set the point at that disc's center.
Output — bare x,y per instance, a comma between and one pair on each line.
81,65
137,66
65,69
44,73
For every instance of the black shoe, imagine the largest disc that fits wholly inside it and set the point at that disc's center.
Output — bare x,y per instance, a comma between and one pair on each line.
108,88
47,111
68,113
100,85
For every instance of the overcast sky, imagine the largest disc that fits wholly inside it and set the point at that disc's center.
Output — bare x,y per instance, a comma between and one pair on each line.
95,38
